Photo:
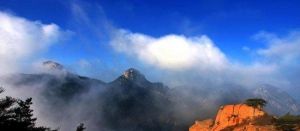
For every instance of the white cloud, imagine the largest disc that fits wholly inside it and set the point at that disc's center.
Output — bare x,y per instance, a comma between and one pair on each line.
83,63
206,63
20,39
170,51
281,49
246,48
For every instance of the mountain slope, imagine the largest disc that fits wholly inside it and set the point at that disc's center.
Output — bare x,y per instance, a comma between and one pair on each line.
131,102
57,95
279,102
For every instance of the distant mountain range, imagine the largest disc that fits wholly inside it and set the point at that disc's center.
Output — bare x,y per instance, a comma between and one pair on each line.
131,102
279,102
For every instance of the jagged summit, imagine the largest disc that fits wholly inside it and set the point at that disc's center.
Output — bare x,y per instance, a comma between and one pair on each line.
132,78
51,65
132,74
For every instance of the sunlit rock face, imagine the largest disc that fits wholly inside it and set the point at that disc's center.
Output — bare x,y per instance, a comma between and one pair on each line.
231,115
239,117
132,74
253,128
204,125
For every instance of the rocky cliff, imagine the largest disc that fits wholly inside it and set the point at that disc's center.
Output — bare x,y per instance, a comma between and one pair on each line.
239,117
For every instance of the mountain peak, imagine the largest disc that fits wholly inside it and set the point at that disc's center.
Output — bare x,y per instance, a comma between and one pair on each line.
133,78
51,65
132,74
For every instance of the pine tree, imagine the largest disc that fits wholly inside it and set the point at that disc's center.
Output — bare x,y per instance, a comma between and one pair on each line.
256,102
16,115
80,127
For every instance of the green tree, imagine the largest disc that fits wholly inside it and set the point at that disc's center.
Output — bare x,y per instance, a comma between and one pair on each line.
256,102
80,127
287,122
16,115
23,114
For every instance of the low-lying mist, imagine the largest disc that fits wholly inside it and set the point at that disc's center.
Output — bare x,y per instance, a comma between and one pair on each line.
63,99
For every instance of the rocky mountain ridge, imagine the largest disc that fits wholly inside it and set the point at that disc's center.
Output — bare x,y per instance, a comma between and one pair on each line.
131,102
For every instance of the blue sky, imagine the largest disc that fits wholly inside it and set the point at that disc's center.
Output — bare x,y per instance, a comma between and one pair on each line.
237,29
230,23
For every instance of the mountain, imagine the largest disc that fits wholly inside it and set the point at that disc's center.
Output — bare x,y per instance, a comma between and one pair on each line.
279,102
203,102
51,65
131,102
64,86
132,78
57,95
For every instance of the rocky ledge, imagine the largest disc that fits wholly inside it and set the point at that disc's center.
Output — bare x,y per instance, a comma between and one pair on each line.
238,117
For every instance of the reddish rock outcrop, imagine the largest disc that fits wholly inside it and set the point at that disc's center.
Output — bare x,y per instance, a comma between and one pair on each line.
239,117
231,115
202,125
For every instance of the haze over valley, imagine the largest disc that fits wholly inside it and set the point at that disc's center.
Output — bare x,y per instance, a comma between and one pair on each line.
149,65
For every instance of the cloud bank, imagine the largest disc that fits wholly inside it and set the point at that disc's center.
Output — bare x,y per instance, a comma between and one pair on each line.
206,63
280,49
21,39
170,51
